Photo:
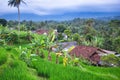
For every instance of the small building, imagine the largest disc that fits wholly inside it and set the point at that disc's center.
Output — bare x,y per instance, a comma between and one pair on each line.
92,54
40,31
45,32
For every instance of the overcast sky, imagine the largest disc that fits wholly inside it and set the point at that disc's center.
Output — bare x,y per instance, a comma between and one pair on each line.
51,7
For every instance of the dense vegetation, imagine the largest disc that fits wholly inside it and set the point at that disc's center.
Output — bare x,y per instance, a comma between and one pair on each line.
26,55
99,32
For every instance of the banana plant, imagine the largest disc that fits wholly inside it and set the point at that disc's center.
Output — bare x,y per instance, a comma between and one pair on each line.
97,41
37,43
50,42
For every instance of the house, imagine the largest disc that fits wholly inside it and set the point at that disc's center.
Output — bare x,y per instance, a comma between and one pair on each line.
45,32
40,31
87,52
92,54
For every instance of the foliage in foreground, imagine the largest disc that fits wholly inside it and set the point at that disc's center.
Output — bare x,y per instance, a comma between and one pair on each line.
11,68
59,72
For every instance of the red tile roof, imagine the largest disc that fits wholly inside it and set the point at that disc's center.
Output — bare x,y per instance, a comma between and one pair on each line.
86,52
42,31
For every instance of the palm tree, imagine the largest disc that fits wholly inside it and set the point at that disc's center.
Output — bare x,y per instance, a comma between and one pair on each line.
16,3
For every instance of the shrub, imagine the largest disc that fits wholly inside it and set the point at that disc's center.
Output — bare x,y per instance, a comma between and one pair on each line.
116,44
60,36
2,41
76,37
12,38
110,60
25,37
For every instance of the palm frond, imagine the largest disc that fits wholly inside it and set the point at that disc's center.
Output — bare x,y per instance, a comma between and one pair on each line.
23,1
15,3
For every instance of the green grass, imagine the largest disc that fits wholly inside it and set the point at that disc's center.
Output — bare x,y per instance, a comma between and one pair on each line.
111,72
58,72
3,57
12,68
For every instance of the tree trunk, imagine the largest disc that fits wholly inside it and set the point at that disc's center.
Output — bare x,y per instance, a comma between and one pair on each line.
57,59
18,24
49,56
18,18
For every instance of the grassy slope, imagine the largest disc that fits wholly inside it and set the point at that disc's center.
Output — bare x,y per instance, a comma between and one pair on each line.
59,72
11,68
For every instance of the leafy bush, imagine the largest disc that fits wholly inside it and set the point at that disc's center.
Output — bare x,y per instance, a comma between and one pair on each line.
12,38
116,44
4,31
76,37
60,36
3,22
25,37
110,60
2,41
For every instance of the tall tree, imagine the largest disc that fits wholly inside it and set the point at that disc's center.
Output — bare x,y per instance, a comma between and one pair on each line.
90,22
3,22
16,3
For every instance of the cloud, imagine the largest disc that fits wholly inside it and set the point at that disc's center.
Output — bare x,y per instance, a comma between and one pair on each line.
49,7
